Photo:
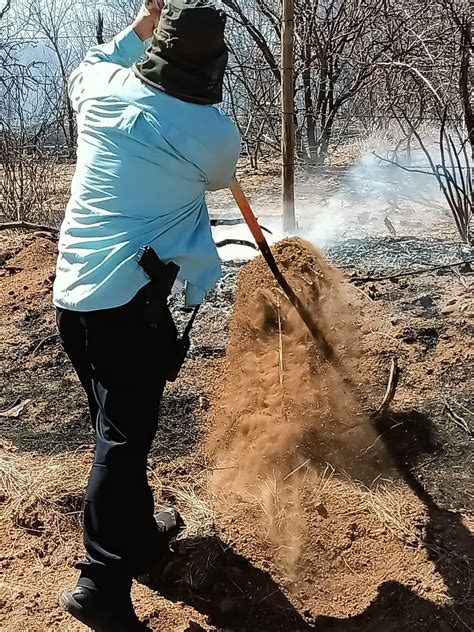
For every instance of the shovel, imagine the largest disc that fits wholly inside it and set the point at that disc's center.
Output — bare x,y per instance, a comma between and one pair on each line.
267,254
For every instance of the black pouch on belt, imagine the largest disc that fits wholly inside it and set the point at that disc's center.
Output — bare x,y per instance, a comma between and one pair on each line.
163,276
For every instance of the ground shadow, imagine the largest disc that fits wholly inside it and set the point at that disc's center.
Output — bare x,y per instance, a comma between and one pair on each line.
409,437
179,429
235,595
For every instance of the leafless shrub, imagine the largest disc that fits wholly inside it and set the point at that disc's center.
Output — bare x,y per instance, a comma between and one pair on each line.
442,89
27,182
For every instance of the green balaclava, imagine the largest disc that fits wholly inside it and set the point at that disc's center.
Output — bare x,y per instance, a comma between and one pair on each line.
188,55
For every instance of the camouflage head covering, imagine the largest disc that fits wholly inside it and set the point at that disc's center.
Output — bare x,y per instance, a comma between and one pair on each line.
188,55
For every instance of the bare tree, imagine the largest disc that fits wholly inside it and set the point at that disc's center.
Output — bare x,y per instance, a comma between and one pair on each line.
438,79
338,46
53,20
25,176
359,65
461,14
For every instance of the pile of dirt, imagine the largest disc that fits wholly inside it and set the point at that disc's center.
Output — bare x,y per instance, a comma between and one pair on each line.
283,415
284,403
26,273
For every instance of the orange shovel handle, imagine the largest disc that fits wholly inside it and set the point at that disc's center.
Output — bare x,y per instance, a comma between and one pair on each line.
247,213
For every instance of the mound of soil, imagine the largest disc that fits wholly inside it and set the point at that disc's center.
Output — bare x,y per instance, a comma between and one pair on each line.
284,414
26,273
284,404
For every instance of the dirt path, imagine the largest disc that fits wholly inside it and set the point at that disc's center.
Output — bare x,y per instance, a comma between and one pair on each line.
374,532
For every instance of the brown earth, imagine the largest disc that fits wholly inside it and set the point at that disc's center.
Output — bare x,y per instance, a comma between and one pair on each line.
27,272
304,509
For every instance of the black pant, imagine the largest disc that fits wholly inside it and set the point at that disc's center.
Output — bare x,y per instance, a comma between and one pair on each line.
120,362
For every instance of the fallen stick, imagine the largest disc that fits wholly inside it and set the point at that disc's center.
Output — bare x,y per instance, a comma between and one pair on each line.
233,221
42,342
458,419
391,387
364,293
28,226
399,275
235,242
296,469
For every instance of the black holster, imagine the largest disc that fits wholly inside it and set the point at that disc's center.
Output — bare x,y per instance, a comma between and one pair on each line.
157,311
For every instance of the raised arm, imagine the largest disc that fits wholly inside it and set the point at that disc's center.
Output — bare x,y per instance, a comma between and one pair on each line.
124,49
148,18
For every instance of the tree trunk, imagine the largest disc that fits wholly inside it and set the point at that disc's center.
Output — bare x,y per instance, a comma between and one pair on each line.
71,126
288,113
99,30
309,120
326,138
465,79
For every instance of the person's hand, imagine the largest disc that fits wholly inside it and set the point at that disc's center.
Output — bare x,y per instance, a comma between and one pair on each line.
147,18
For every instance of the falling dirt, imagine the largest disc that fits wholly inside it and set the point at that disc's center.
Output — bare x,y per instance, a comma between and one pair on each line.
301,470
285,405
287,412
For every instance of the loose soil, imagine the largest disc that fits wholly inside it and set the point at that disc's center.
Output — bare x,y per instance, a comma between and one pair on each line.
305,509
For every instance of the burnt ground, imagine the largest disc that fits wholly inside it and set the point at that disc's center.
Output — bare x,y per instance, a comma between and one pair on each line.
425,320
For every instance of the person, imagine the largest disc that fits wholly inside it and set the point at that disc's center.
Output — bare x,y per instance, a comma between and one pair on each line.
150,144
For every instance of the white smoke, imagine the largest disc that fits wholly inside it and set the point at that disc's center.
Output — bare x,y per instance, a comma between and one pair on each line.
368,198
374,197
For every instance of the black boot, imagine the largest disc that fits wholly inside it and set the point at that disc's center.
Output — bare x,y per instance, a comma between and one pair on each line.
170,524
102,614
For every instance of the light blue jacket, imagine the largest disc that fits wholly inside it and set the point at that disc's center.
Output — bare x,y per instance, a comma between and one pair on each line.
144,162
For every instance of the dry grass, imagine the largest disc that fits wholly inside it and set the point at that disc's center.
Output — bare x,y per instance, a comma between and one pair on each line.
46,483
37,480
390,503
196,505
394,507
28,195
55,483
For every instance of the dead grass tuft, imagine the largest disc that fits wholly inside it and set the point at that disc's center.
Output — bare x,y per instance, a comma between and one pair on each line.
280,502
197,506
56,482
14,479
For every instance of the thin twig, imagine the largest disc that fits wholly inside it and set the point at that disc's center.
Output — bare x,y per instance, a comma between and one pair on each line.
403,167
462,622
349,567
363,293
28,226
399,275
268,596
391,386
463,407
458,276
381,436
41,343
458,419
297,469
